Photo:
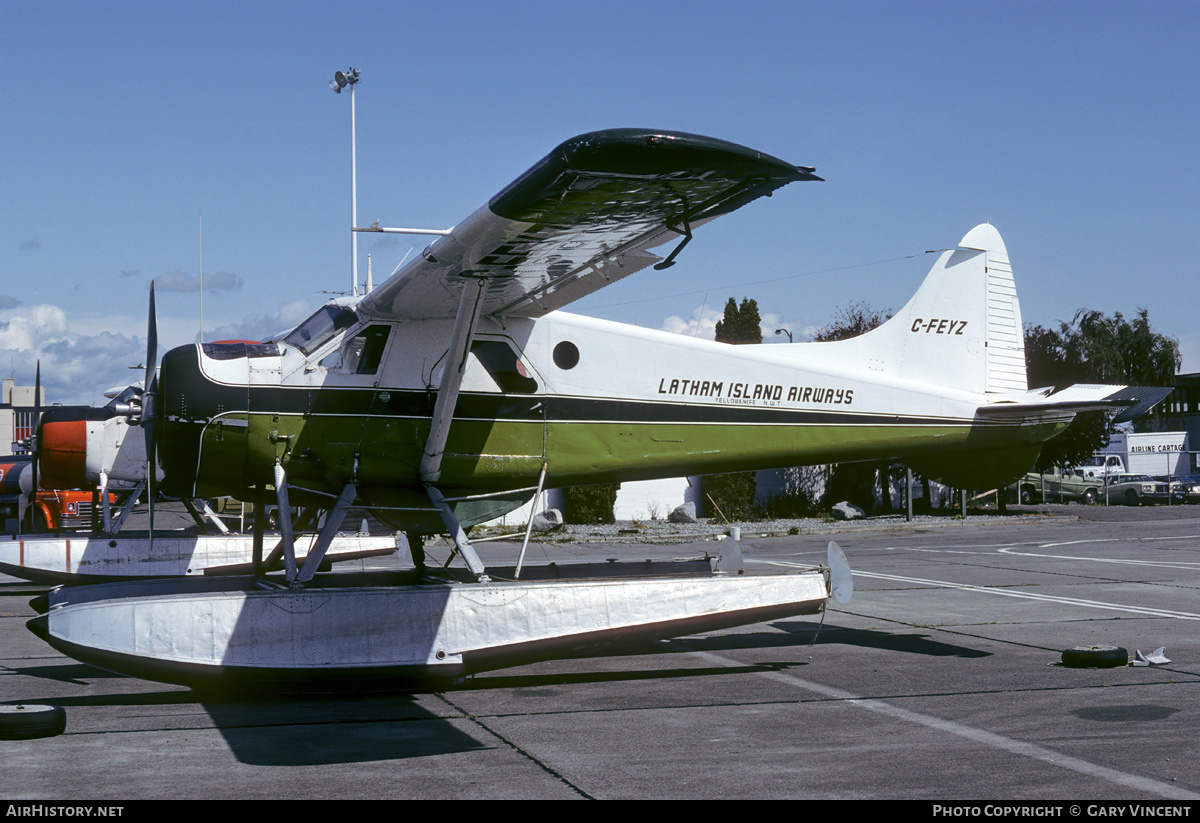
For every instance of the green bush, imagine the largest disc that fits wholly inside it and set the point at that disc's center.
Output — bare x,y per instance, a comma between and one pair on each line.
733,494
853,482
789,503
590,504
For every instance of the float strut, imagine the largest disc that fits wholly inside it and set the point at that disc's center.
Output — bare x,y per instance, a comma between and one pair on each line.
285,522
105,511
416,548
128,507
529,525
461,543
333,522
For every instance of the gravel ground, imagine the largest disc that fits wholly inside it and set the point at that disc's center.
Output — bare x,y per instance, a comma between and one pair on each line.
660,531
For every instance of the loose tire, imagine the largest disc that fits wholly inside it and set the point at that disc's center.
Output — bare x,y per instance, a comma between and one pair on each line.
1095,657
29,722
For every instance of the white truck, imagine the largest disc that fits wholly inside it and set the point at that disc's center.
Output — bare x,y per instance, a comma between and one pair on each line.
1154,453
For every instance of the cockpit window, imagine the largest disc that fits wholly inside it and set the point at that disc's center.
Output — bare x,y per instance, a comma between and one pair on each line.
316,330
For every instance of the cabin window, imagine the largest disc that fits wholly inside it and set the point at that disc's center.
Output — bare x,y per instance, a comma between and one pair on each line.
505,367
566,355
365,350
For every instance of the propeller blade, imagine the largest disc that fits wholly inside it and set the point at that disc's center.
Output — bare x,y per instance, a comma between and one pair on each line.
150,406
151,342
35,440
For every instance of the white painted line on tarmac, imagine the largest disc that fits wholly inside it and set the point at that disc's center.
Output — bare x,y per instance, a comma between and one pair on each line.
1119,561
1080,542
1017,747
1023,595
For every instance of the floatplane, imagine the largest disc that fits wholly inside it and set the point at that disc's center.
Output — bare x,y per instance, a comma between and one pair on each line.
458,389
98,448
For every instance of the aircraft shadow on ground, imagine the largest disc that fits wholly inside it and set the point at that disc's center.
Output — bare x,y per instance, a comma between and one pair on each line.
885,641
525,681
788,635
304,730
1138,713
77,674
339,729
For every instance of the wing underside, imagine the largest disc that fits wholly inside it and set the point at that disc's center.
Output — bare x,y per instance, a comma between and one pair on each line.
582,217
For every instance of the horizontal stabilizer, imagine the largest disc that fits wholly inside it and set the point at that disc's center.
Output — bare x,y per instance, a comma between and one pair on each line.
1133,401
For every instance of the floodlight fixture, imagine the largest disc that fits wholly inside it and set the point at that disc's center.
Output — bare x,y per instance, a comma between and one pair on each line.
342,79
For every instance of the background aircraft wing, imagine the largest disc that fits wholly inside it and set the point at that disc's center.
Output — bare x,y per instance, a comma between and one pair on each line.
581,218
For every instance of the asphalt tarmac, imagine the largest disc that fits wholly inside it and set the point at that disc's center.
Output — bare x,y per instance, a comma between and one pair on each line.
941,681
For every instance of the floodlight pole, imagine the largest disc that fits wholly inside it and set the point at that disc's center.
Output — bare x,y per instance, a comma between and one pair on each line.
353,193
340,81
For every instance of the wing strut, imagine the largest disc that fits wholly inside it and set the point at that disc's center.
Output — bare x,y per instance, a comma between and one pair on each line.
469,305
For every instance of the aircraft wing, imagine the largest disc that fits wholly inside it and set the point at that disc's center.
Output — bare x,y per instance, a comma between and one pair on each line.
1132,401
581,218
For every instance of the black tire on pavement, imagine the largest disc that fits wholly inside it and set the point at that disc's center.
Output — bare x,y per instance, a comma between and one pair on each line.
1095,657
1090,496
26,722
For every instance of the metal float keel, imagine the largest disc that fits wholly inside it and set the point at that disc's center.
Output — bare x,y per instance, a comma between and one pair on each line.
193,631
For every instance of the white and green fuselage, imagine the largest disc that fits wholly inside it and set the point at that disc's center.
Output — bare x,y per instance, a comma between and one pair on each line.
596,401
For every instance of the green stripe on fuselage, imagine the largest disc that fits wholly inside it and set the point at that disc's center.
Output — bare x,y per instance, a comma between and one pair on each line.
321,452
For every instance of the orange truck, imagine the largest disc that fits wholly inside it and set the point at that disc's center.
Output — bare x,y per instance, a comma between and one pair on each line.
53,509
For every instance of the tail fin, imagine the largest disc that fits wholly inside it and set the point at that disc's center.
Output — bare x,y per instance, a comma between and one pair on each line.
961,329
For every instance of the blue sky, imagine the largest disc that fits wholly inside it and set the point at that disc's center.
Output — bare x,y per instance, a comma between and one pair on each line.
1069,125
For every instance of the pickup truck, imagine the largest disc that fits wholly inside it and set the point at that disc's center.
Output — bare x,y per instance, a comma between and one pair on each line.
1061,486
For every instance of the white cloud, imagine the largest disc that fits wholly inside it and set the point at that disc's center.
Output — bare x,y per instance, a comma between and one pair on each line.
82,356
76,368
702,323
258,327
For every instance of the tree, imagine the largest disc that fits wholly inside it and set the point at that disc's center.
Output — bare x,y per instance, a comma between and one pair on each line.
1114,350
1047,364
740,325
1093,348
853,320
734,493
855,482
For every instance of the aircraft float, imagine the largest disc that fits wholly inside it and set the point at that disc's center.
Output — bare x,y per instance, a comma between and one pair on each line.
458,389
